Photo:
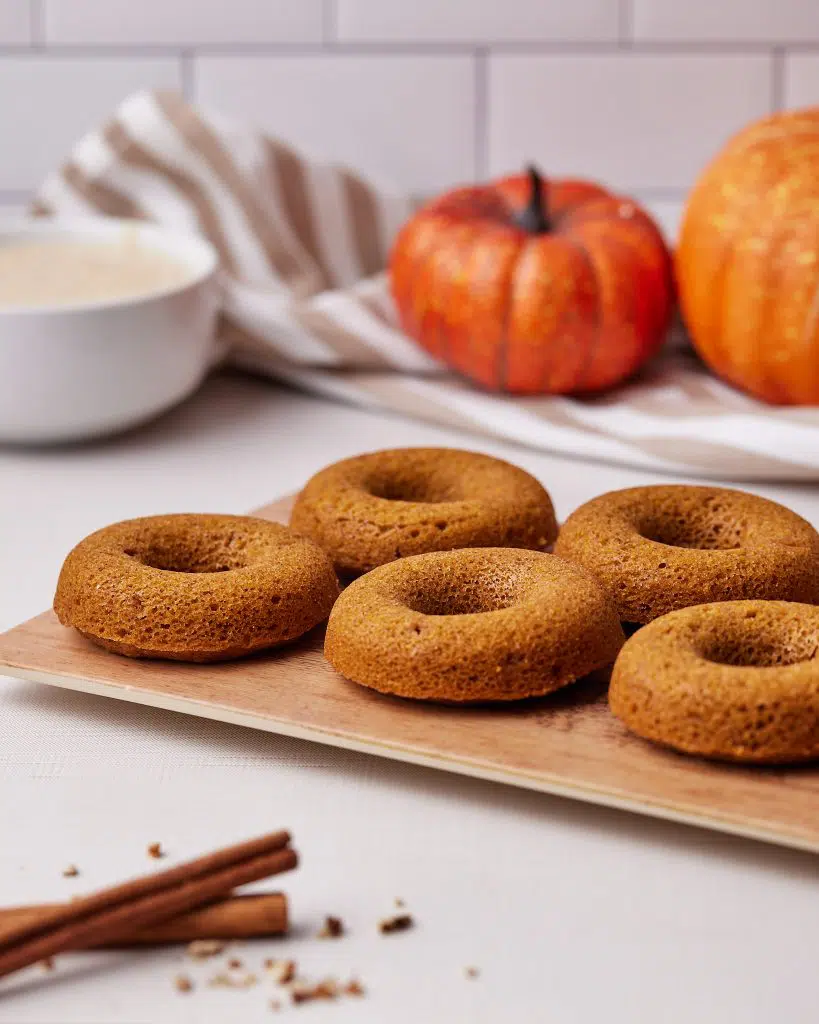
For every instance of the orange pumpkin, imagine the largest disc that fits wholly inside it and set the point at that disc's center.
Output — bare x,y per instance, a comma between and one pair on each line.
748,260
534,288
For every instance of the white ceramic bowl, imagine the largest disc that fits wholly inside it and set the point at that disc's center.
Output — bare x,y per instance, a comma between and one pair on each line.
78,371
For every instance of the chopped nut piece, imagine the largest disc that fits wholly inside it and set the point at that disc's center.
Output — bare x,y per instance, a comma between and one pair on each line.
234,963
396,923
282,972
47,963
201,949
155,850
183,983
233,979
472,972
333,928
354,988
399,902
303,993
71,871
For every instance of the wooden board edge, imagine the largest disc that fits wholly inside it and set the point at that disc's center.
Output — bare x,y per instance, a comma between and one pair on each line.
585,794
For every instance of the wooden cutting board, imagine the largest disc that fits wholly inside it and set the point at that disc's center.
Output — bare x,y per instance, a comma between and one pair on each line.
567,744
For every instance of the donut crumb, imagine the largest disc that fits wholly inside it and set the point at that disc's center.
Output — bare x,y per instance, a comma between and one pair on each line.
333,928
395,923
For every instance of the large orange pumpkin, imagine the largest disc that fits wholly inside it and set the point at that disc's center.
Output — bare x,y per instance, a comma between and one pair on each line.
748,260
534,288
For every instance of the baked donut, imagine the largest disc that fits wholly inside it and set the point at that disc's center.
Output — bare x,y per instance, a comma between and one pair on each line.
737,681
488,624
194,587
659,548
374,508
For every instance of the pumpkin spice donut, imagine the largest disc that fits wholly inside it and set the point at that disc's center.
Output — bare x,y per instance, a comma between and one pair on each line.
479,624
736,681
194,587
371,509
656,549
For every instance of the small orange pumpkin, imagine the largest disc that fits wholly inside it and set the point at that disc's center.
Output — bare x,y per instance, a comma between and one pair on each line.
748,260
534,288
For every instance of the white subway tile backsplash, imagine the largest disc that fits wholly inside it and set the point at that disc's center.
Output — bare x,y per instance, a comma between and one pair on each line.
404,118
63,97
422,93
634,121
15,22
183,22
481,21
802,80
763,21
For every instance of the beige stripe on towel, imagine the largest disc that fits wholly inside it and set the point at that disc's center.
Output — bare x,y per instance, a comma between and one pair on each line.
293,267
364,216
351,348
134,154
106,199
289,172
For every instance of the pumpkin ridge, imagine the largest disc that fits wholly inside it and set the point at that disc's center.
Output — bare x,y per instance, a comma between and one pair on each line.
506,319
638,308
591,349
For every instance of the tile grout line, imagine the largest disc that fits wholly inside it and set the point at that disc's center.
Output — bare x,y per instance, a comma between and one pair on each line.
481,112
625,24
187,73
386,49
14,196
777,78
329,22
36,14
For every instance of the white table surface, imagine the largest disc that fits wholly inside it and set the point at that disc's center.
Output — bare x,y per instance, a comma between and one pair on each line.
574,914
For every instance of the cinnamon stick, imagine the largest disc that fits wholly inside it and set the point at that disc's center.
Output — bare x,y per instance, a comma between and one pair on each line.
238,917
109,915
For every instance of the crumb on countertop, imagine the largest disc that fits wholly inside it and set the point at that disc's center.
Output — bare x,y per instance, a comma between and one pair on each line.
155,850
472,972
333,928
282,972
304,993
71,871
233,979
201,949
182,983
396,923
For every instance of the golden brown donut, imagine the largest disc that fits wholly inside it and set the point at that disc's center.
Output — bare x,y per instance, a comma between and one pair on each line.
374,508
659,548
194,587
479,624
737,681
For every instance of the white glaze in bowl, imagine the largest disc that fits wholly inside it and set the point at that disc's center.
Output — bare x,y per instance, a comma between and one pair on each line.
76,371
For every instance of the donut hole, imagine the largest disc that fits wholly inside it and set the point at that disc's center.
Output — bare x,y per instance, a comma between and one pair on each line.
702,533
193,555
761,649
477,597
418,487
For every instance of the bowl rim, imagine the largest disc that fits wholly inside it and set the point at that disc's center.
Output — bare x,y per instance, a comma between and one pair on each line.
195,252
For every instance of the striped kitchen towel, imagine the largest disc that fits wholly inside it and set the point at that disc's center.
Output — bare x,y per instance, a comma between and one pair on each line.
303,248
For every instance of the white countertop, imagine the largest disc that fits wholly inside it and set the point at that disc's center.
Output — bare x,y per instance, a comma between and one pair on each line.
573,914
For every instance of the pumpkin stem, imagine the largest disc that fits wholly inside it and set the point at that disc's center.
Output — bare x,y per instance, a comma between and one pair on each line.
534,217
